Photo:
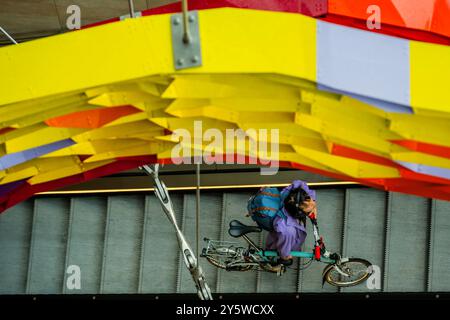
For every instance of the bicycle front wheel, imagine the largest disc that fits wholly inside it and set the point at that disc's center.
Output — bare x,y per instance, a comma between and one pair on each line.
356,270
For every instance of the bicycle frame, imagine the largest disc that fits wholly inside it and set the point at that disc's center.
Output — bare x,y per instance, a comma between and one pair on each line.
319,254
325,257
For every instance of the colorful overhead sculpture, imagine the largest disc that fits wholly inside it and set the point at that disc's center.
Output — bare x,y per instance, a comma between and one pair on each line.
350,104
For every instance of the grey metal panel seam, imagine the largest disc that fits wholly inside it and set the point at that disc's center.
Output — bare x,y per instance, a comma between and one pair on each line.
258,273
105,244
143,238
299,273
222,234
69,237
387,240
31,254
431,235
344,227
180,256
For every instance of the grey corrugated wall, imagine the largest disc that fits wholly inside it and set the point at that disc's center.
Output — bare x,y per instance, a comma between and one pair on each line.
125,244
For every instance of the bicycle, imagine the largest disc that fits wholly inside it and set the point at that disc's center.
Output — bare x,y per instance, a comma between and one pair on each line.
231,256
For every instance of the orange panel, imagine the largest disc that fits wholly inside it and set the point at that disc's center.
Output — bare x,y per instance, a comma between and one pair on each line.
91,118
427,15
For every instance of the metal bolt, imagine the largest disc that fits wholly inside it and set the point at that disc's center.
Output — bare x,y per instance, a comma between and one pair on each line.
176,21
180,62
194,59
191,19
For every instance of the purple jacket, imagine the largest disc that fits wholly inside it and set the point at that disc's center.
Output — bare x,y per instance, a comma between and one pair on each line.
288,234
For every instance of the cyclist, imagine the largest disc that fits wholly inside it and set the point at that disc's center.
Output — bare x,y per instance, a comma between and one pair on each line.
289,233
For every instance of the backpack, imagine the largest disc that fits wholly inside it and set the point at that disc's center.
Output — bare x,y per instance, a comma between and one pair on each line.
265,206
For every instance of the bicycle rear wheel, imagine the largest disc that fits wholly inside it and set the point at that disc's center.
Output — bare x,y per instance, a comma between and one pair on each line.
223,257
357,270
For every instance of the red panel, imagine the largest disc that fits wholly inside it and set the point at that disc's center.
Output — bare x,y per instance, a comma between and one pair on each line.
307,7
26,191
6,130
411,175
417,188
411,19
401,32
351,153
429,148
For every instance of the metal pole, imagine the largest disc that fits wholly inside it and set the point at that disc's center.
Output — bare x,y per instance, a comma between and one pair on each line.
131,5
197,193
6,33
186,35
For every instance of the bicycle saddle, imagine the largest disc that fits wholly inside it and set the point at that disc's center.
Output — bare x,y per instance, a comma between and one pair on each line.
238,229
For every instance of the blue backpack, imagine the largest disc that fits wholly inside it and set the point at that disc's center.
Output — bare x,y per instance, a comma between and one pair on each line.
265,206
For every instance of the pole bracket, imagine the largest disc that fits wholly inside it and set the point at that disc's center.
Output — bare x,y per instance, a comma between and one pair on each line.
186,54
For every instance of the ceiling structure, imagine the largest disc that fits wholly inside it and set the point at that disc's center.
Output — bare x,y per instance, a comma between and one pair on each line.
31,19
349,104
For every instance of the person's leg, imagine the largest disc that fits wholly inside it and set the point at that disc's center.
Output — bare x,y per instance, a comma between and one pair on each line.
286,242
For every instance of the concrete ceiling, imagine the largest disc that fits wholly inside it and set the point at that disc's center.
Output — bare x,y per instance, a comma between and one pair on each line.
29,19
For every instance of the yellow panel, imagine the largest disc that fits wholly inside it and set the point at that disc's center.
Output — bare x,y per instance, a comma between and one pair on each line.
422,158
307,161
118,98
430,76
420,128
275,42
19,175
22,132
188,124
65,172
84,148
118,131
20,110
44,115
95,147
227,86
85,59
39,138
135,117
144,148
351,167
36,166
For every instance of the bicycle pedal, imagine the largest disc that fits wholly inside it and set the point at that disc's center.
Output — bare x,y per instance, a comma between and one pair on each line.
281,271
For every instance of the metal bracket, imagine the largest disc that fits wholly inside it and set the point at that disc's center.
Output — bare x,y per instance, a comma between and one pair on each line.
186,55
